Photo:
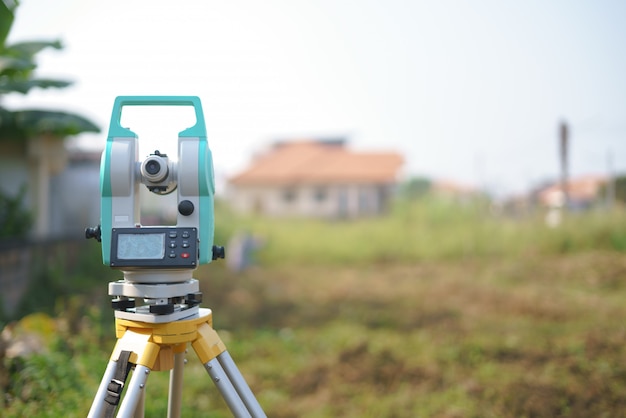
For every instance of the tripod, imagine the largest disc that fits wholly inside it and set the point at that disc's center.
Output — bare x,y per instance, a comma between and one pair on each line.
161,346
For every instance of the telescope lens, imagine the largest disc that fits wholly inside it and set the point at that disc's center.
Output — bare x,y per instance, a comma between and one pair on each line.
153,167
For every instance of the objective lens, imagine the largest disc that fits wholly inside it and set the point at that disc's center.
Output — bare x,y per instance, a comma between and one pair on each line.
153,167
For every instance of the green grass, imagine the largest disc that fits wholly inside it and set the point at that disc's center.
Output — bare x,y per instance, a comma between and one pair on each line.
429,229
435,311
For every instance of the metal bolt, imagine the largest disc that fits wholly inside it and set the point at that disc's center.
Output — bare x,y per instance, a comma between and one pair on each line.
147,372
141,386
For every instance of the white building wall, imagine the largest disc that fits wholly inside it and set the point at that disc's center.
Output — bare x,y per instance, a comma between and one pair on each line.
332,201
75,199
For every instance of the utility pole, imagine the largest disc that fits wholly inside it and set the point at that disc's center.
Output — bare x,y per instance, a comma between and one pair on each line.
563,150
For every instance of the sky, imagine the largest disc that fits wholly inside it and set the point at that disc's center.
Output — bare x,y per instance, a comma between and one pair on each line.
470,91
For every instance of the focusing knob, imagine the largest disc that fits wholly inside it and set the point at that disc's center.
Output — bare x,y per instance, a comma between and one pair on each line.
94,232
185,207
218,252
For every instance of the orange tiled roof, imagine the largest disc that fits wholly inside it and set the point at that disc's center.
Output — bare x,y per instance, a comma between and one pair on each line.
315,162
581,188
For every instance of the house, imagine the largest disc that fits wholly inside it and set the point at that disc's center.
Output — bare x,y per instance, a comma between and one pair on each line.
316,178
75,195
62,186
30,165
582,192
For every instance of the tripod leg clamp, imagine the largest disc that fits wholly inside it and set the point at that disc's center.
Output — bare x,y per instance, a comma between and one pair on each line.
116,385
208,345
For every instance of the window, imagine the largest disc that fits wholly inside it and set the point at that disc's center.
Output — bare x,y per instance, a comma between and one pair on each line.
289,195
366,203
320,194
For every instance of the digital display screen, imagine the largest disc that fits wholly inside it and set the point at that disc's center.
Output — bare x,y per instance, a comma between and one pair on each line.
141,246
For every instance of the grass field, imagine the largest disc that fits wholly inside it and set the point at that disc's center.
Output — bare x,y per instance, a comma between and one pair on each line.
434,311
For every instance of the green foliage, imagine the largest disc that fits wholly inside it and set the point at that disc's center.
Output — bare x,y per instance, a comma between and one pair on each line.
620,189
415,187
7,15
58,380
17,67
56,123
61,286
48,380
15,219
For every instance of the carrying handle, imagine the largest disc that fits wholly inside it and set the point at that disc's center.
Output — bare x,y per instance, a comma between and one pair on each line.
116,130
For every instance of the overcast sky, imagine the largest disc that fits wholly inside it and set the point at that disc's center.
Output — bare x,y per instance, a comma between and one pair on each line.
472,91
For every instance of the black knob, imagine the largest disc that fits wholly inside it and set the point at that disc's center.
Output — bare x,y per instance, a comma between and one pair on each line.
194,299
185,207
218,252
122,304
165,309
94,232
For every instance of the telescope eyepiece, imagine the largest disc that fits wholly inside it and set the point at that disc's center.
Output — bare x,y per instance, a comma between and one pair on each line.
154,169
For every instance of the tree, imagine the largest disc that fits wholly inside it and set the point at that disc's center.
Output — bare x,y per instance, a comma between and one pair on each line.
14,220
619,189
17,66
415,187
17,75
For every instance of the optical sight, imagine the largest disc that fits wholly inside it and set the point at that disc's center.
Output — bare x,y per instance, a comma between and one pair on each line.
157,175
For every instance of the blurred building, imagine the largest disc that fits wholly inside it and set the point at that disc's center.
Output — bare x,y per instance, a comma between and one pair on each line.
30,165
583,192
62,187
316,178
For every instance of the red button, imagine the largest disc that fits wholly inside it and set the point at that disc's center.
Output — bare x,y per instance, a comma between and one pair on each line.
185,255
